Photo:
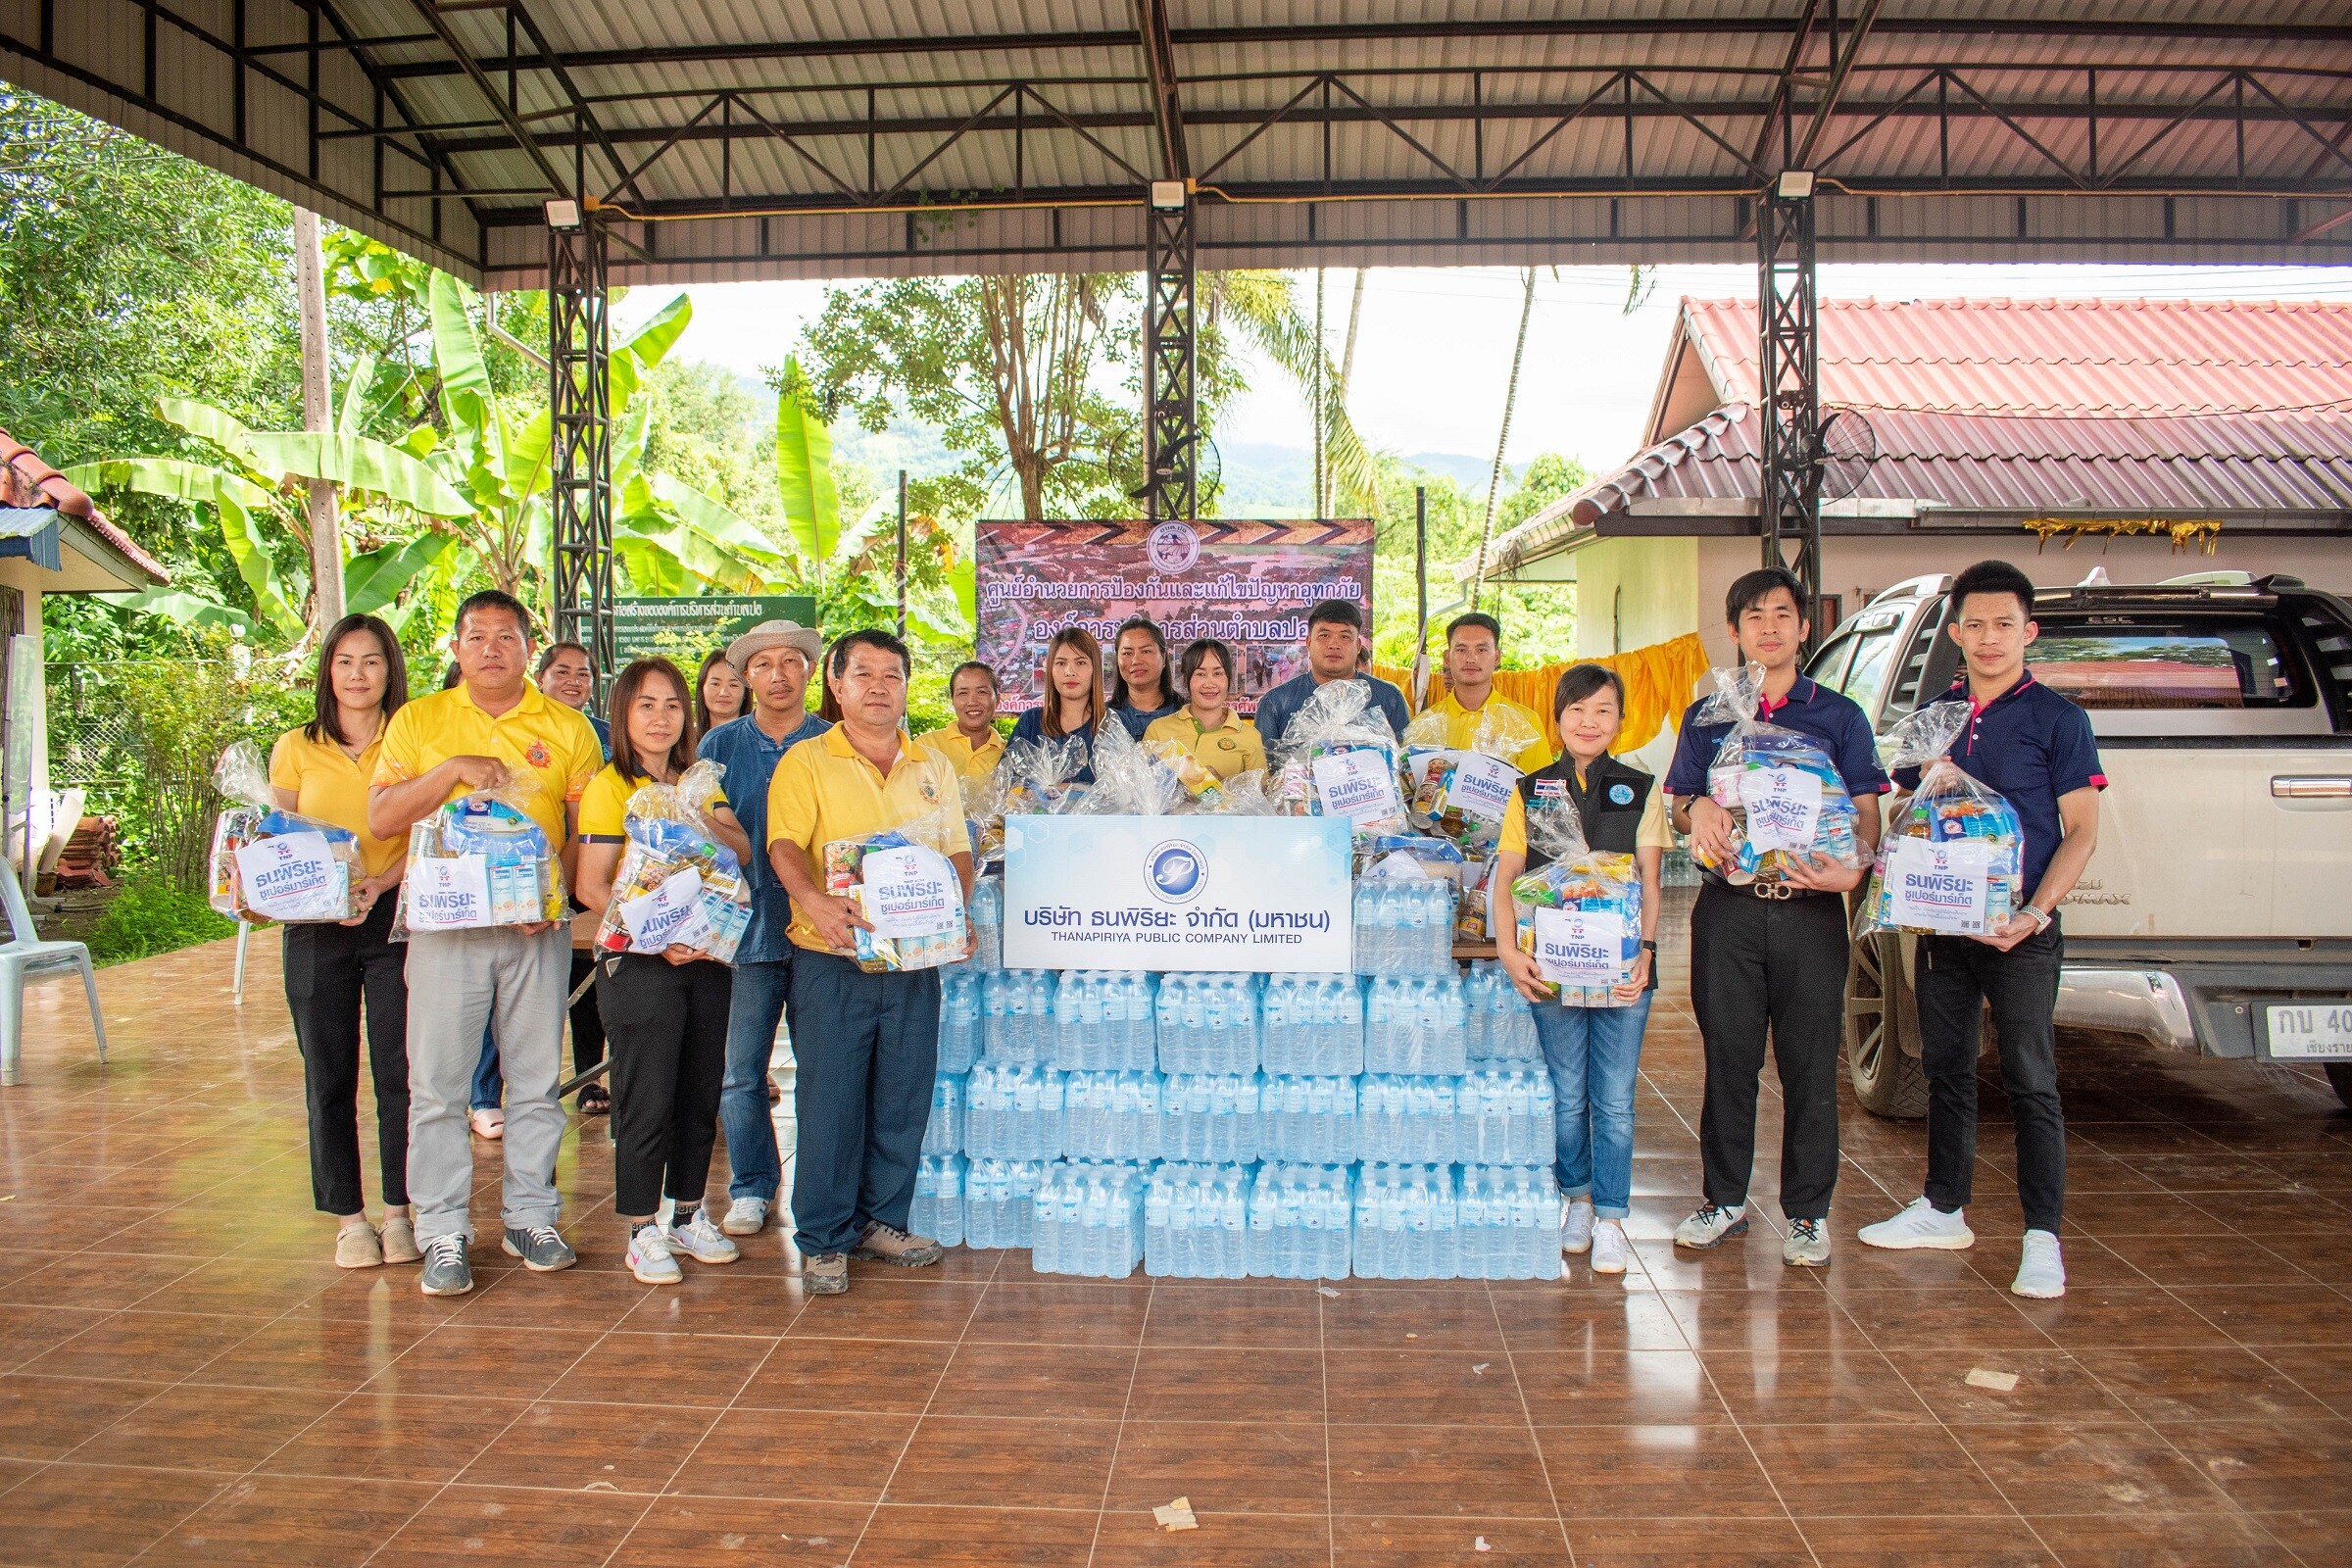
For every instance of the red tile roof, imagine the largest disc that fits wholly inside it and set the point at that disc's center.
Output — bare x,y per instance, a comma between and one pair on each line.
25,481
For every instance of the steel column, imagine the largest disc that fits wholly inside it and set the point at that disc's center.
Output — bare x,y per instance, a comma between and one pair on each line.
580,417
1171,401
1789,367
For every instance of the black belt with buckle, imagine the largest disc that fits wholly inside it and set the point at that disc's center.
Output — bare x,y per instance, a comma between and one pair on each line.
1776,892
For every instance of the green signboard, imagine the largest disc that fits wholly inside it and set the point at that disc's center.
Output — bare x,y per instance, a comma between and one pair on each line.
685,629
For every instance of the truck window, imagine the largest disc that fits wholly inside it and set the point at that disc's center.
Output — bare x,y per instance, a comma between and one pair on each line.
1867,680
1829,665
2142,661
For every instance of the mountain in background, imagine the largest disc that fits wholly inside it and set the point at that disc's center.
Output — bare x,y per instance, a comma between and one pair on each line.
1264,479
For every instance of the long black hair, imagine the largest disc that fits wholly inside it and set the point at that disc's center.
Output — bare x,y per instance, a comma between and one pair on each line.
326,712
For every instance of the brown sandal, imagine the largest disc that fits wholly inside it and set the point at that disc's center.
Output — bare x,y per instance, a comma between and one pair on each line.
596,1100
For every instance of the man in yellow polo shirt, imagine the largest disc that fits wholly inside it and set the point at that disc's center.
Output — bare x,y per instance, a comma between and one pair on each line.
971,745
867,1044
1473,652
492,727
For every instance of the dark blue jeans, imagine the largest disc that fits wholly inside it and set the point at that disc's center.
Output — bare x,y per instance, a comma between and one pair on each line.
744,1112
867,1046
489,1089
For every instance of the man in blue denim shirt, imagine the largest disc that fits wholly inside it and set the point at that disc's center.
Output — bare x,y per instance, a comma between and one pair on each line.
775,658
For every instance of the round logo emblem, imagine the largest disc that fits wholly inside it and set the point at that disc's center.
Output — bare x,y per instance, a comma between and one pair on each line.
1172,547
1621,795
1175,870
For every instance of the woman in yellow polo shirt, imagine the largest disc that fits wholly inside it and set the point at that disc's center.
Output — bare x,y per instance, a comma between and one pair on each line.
1219,738
333,972
666,1013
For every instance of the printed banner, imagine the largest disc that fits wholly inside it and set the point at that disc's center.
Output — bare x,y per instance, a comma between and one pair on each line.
1249,585
1263,893
683,630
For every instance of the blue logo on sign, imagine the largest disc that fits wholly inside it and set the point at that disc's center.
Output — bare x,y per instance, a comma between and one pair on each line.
1621,795
1175,869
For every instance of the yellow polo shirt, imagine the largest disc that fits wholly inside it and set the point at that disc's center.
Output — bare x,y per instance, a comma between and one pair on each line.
1461,728
333,787
1650,833
823,790
1233,747
605,805
538,739
972,761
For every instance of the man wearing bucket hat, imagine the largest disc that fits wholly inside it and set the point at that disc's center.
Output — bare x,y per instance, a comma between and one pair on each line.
775,658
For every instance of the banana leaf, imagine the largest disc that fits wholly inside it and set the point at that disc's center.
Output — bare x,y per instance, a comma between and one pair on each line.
185,608
804,471
251,551
360,464
223,430
374,579
456,351
169,477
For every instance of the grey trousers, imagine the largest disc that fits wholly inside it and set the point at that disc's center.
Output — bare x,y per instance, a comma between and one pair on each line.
458,982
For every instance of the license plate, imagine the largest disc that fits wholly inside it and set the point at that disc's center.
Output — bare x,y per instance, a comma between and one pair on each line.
2311,1031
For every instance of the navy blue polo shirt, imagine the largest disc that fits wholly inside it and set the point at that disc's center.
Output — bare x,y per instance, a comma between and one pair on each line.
1135,721
2031,745
1279,707
1030,729
750,757
1829,717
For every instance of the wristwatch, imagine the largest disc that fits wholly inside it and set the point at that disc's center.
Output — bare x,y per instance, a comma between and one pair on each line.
2041,920
1649,946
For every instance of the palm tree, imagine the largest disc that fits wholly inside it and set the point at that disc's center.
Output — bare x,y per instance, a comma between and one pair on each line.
1264,310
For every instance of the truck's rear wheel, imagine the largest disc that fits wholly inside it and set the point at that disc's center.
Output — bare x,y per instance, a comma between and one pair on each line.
2340,1073
1881,1028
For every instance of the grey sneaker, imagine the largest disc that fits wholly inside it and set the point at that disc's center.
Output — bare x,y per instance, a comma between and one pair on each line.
541,1249
1709,1226
1807,1244
745,1216
445,1271
826,1274
883,1245
701,1240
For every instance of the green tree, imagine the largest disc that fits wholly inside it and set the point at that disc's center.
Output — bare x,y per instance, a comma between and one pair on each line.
1539,620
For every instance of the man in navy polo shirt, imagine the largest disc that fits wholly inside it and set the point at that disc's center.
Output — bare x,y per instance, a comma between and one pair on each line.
1336,637
1768,959
776,657
2035,747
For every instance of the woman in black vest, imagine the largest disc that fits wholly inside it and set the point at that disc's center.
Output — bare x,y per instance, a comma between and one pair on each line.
1595,1054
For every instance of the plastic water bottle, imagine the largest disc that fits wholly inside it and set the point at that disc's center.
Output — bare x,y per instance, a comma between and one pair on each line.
943,1133
986,911
1000,1202
938,1208
959,1020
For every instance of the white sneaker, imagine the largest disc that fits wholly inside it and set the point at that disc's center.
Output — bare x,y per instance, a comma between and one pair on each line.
745,1216
1710,1226
1920,1224
1576,1225
1609,1250
1807,1244
650,1259
2040,1271
701,1240
488,1123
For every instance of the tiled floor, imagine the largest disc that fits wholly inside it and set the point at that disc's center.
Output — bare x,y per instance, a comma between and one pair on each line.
184,1377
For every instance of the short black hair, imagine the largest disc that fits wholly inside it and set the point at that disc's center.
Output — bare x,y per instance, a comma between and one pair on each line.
872,638
1750,589
1198,652
1476,617
1993,577
547,655
494,598
1120,696
1343,611
1580,681
970,665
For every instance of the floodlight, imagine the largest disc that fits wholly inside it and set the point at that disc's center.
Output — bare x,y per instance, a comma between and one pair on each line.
1796,185
1167,194
563,213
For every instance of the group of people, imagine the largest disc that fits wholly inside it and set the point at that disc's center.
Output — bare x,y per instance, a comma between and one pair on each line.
691,1038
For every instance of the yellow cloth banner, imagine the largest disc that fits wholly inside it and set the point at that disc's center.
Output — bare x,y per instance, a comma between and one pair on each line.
1659,682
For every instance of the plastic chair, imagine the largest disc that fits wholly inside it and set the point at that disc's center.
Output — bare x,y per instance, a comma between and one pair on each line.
25,953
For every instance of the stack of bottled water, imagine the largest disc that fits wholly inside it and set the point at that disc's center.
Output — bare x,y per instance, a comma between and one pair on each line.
958,1018
1208,1116
1000,1200
1416,1024
1405,1120
1403,925
944,1133
1301,1217
1404,1223
1103,1023
1089,1220
1111,1115
1508,1221
1313,1024
1307,1120
1012,1110
1504,1116
1208,1023
1502,1027
1017,1015
938,1211
1197,1222
986,911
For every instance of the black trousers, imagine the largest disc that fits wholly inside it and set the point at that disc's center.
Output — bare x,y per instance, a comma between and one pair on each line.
587,1024
1770,969
1954,977
331,970
666,1024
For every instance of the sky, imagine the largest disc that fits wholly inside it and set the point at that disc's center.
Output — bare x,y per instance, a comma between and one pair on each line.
1434,349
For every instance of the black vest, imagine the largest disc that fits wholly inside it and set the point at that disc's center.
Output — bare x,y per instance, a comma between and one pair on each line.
1610,804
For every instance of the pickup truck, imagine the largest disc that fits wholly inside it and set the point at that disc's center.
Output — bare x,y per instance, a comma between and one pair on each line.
2216,916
